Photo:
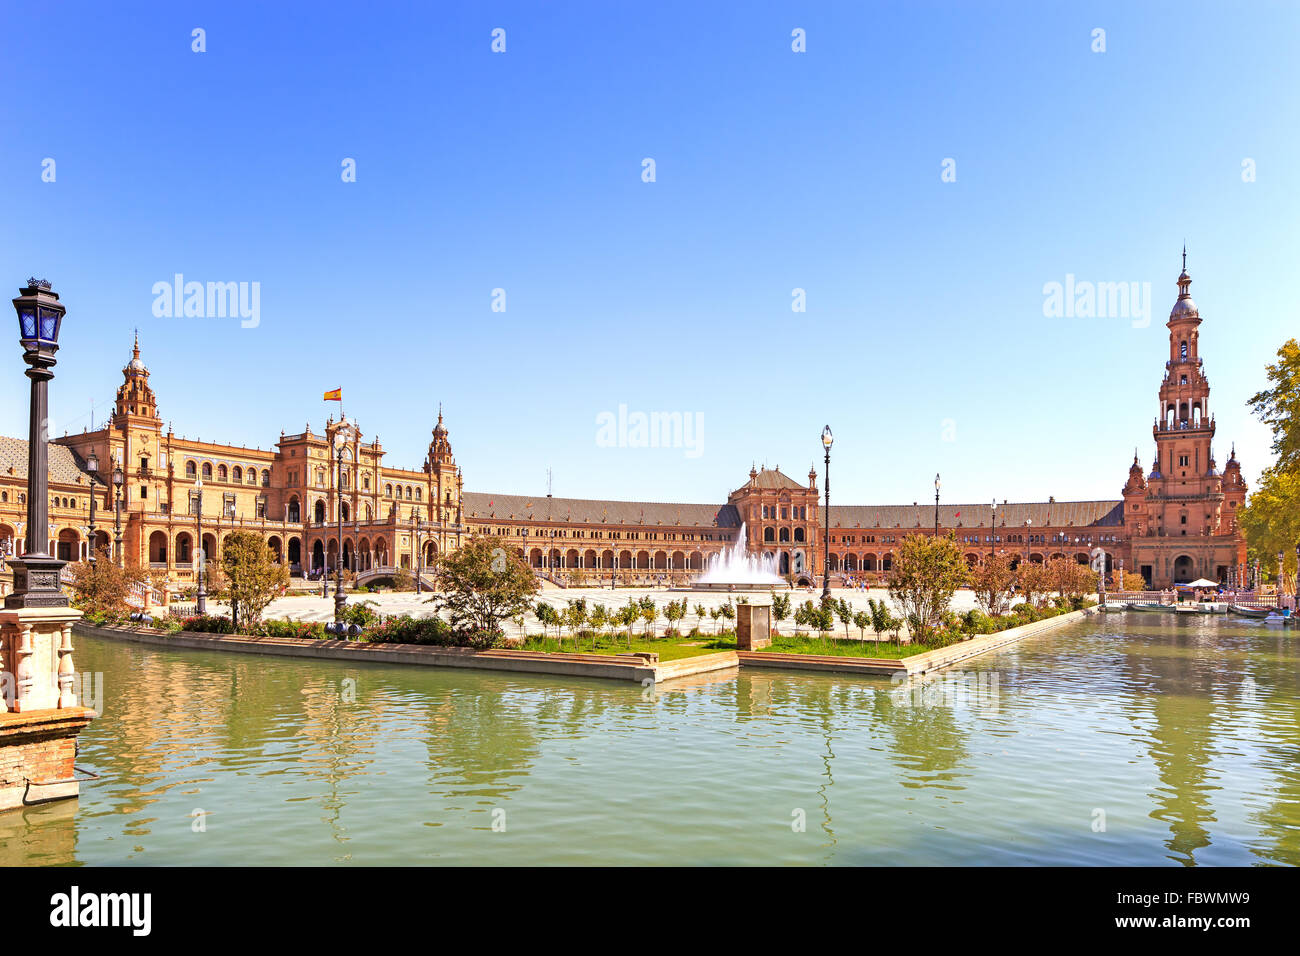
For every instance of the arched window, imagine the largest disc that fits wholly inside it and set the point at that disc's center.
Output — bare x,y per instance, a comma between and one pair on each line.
320,511
293,510
207,471
266,478
191,469
388,491
1182,350
239,474
252,476
418,494
222,473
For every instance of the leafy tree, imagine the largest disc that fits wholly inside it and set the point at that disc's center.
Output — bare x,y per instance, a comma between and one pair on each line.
1271,521
674,611
862,620
599,618
482,583
101,587
575,616
1278,407
728,611
253,575
927,572
701,612
715,614
992,582
649,611
879,616
780,608
844,611
1034,582
546,616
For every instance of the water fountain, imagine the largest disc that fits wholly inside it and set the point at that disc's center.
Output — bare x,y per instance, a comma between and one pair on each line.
735,569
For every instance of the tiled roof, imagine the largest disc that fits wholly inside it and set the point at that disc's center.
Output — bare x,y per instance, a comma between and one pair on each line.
482,507
774,478
1052,514
65,466
479,506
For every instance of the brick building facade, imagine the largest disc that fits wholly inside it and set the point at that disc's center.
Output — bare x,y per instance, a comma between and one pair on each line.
1175,524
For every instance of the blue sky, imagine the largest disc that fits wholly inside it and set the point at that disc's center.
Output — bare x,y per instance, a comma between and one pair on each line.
924,343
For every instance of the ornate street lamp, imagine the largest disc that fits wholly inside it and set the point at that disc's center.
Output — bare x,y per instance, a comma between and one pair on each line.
201,596
936,504
118,479
342,435
827,440
993,525
1028,523
92,465
36,573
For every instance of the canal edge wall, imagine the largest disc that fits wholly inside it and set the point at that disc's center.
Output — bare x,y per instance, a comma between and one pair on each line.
607,666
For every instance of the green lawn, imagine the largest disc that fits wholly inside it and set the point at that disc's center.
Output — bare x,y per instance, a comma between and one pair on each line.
838,647
677,647
668,648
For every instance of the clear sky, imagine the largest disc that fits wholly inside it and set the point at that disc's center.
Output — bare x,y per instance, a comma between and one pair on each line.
924,343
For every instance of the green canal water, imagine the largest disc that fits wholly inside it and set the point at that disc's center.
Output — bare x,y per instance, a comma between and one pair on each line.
1134,739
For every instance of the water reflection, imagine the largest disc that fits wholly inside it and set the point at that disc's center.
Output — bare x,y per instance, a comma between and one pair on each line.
1181,736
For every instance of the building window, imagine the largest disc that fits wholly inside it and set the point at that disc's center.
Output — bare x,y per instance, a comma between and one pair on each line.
190,469
144,491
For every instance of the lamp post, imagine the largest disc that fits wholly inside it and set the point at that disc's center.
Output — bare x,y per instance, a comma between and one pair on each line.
936,504
827,440
118,479
341,436
993,525
1279,573
36,573
200,596
92,465
416,527
1028,523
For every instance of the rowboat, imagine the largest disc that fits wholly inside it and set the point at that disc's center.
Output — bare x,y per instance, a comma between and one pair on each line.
1149,606
1256,612
1191,609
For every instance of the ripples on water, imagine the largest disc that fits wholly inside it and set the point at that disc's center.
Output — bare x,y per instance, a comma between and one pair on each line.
1128,741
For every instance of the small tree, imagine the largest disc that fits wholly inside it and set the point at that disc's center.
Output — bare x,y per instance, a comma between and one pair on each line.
780,609
879,616
992,582
599,618
575,616
253,575
101,587
674,611
546,616
715,614
483,583
927,572
844,611
728,611
862,621
701,612
649,612
1034,582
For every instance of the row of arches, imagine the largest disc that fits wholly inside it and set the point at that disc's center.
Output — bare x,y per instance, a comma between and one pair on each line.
237,475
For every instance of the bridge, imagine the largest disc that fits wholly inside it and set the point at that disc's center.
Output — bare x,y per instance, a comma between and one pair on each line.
374,574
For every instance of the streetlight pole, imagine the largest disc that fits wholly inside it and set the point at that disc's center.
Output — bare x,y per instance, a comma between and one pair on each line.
416,525
993,526
36,573
341,436
201,595
92,465
1028,523
936,504
827,440
118,480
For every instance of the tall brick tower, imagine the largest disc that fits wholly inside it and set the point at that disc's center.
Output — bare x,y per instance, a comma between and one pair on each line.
1183,524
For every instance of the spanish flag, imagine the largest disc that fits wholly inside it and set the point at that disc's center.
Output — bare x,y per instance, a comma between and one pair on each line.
334,396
